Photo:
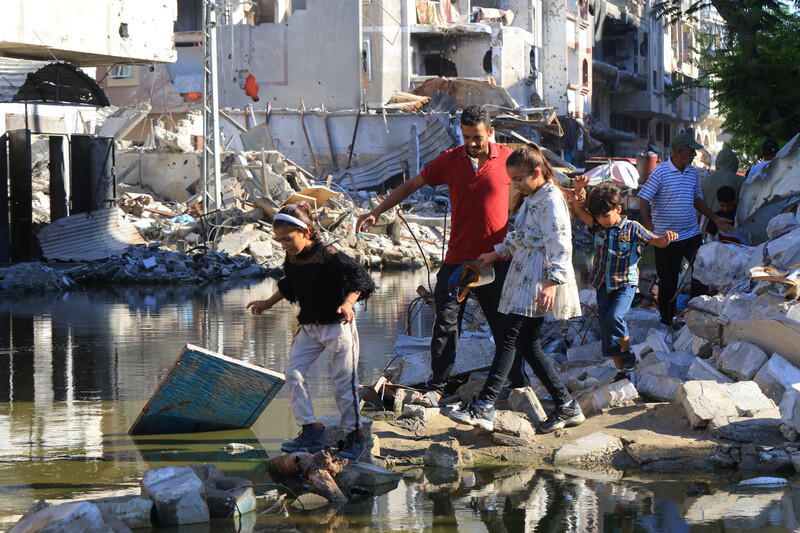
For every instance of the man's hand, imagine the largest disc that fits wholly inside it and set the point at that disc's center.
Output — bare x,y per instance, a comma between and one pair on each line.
724,225
257,307
488,258
365,222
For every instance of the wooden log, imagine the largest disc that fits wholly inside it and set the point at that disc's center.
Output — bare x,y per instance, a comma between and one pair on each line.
318,469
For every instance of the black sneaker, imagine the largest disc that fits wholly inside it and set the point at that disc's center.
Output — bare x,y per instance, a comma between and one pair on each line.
628,362
475,414
354,444
309,440
564,416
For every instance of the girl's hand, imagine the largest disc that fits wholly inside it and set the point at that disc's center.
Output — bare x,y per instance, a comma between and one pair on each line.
488,258
580,183
346,310
547,296
258,306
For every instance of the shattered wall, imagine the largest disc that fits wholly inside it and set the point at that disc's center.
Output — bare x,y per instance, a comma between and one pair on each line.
88,33
567,56
385,50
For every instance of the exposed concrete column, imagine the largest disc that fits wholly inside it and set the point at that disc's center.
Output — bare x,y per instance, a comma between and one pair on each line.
408,9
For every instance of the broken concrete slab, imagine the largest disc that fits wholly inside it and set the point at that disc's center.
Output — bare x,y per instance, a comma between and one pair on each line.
524,401
421,412
790,407
473,354
178,495
229,496
660,381
513,423
748,398
641,321
585,352
701,370
596,445
704,401
261,251
683,339
445,454
612,395
776,376
781,225
71,517
236,242
761,429
722,265
741,360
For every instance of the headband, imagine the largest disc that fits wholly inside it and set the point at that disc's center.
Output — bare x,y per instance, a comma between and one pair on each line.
290,219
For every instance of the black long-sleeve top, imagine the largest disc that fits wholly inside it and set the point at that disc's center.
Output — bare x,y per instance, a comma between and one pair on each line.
319,279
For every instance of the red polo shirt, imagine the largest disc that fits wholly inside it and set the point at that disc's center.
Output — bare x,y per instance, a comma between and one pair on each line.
478,200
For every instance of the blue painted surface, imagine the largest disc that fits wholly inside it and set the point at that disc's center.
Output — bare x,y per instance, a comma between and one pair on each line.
207,391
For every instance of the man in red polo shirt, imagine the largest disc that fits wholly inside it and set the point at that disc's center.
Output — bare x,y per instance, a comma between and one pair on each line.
476,175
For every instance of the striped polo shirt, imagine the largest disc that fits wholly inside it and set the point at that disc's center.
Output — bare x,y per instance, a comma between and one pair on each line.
671,195
616,254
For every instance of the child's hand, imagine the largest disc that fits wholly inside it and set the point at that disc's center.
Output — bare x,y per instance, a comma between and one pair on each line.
670,236
258,306
547,297
488,258
580,183
346,310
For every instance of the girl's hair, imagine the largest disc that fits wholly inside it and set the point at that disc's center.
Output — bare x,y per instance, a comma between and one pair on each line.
300,212
528,158
603,198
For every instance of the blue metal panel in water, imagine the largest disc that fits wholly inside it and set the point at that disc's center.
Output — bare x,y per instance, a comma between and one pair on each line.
207,391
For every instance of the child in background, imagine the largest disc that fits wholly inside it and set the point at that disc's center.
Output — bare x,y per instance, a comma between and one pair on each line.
726,197
540,283
326,284
615,272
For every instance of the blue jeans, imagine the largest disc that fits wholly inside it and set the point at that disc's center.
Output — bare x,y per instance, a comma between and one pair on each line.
612,308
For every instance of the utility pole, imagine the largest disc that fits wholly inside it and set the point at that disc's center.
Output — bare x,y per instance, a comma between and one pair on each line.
212,199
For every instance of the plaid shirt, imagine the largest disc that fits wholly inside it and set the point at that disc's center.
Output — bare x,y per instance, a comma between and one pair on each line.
616,254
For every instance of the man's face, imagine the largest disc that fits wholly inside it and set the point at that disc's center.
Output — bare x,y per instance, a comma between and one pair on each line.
476,139
686,156
727,207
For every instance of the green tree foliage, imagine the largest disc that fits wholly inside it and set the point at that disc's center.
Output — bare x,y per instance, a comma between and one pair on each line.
753,71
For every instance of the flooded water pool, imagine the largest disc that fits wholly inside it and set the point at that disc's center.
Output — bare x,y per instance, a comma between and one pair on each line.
76,369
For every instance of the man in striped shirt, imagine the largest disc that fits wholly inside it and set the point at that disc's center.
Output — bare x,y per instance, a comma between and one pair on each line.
670,200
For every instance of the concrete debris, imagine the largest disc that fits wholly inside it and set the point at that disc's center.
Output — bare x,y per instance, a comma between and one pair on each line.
706,400
32,276
612,395
415,369
591,446
67,517
134,510
446,454
178,495
776,376
741,360
512,423
524,401
701,370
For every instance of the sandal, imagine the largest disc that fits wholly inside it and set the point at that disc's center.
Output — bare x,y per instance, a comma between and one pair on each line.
429,399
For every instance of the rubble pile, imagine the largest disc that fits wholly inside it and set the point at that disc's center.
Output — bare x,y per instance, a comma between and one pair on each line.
27,276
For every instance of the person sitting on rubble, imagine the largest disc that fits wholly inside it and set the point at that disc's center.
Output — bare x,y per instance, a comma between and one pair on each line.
726,196
475,174
540,283
326,284
769,149
614,275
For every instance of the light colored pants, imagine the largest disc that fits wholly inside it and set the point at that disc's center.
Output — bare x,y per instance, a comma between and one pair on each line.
311,340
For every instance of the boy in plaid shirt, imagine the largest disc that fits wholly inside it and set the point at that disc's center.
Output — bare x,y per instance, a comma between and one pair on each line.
615,272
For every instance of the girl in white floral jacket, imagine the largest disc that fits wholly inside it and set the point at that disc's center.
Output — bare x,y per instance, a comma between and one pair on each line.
540,283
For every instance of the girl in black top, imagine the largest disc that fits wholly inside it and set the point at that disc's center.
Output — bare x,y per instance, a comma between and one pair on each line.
326,284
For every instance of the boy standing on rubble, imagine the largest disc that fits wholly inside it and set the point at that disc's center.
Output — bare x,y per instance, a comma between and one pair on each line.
326,284
615,268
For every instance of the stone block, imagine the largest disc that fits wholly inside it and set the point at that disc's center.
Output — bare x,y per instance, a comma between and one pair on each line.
656,383
178,495
236,242
612,395
704,401
134,510
71,517
524,401
445,454
757,429
591,446
261,251
229,496
701,370
585,352
641,321
683,340
473,354
776,376
790,407
722,265
470,390
421,412
741,360
701,347
748,398
781,225
513,423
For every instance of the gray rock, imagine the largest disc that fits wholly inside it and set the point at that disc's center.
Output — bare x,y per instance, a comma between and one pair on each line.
704,401
701,347
421,412
763,428
236,242
116,525
133,510
683,340
775,461
722,265
473,354
658,379
748,398
509,440
584,375
641,321
206,471
700,370
71,517
229,496
593,446
178,495
585,352
741,360
524,401
446,454
261,251
513,423
776,376
470,390
790,407
781,225
371,475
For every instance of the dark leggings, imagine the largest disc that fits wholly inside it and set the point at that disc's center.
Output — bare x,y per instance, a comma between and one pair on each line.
522,336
